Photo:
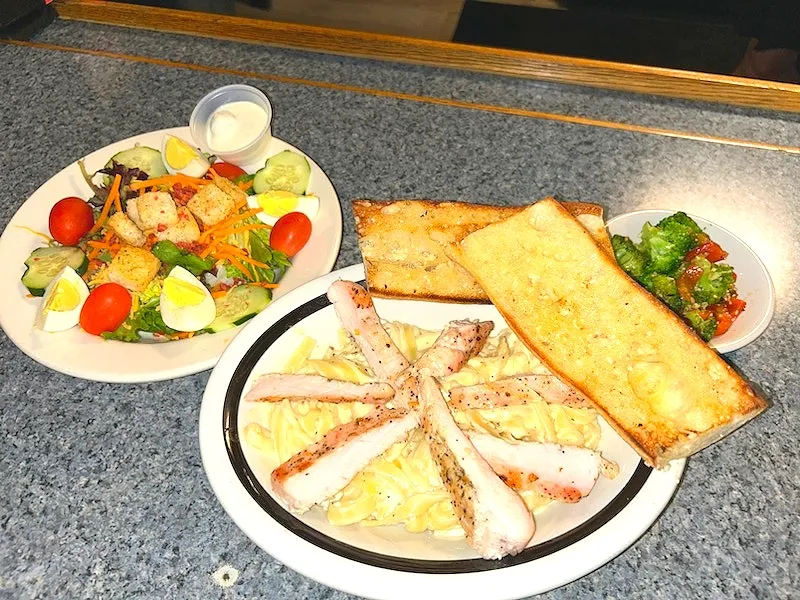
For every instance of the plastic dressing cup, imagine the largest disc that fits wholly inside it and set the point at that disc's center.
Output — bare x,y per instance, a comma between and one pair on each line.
211,121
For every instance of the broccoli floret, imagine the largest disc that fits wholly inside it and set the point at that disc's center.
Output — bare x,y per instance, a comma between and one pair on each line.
705,328
632,261
663,254
716,282
682,219
666,290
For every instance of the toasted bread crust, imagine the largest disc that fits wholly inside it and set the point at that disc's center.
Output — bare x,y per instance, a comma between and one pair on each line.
659,385
404,245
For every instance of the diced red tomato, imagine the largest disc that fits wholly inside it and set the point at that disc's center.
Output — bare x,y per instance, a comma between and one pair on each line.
70,219
726,313
711,250
226,169
736,306
290,233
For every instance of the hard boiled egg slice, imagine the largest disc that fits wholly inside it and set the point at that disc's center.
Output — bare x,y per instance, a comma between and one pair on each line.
186,304
276,203
62,302
180,157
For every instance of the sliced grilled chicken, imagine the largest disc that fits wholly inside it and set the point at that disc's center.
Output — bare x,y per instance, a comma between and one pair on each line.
274,387
494,517
514,391
458,342
315,474
564,473
357,313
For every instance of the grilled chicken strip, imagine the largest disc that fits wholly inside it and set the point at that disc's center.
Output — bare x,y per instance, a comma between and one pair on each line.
514,391
275,387
494,517
459,342
357,313
563,473
315,474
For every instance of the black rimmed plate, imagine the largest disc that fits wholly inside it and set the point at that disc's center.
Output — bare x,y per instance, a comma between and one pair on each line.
388,562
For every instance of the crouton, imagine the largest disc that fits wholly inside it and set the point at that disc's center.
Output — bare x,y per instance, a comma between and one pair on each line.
151,210
185,230
230,188
133,268
126,229
211,204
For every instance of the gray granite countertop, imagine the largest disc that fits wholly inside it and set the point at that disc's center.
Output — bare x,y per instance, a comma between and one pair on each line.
104,494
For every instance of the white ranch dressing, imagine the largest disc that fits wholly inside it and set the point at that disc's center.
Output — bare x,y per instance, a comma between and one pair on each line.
235,125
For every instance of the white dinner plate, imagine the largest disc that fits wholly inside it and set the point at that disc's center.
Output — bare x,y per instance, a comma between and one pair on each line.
388,562
753,283
77,353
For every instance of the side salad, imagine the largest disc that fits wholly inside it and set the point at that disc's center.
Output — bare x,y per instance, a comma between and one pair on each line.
681,265
171,244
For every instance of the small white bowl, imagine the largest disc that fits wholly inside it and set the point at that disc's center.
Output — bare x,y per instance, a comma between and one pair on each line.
205,108
753,283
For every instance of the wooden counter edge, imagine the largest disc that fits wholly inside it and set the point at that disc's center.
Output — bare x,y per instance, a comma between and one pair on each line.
659,81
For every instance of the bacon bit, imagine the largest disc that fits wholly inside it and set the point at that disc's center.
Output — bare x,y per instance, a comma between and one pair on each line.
162,227
182,194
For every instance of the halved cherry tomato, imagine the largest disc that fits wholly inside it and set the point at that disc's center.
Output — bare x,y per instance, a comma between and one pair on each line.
226,169
711,250
290,233
70,219
105,309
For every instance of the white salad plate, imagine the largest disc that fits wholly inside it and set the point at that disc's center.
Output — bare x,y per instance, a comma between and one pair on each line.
80,354
388,562
753,283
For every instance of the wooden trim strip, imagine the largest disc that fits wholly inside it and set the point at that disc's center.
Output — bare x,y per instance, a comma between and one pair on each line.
672,83
461,104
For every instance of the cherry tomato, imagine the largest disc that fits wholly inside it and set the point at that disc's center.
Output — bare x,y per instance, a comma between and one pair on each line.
225,169
70,219
290,233
105,309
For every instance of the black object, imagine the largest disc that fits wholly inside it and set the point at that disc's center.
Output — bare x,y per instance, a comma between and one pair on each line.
21,19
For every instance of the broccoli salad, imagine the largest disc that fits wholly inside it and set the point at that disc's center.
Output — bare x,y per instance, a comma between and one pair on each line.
681,265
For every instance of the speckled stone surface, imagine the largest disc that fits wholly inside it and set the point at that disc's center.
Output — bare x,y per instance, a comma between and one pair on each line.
103,493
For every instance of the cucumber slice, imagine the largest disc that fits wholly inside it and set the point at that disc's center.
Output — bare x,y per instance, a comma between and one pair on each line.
239,305
286,171
141,157
45,263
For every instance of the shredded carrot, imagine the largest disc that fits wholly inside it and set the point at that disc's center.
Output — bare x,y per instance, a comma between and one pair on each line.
244,185
236,263
266,284
112,195
231,249
95,244
219,293
228,222
184,335
168,180
206,251
233,230
253,261
117,204
212,171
